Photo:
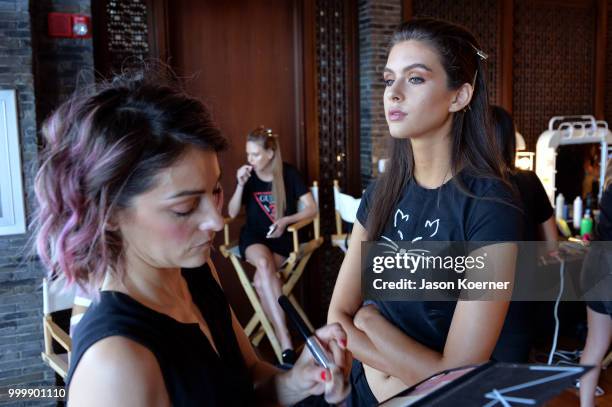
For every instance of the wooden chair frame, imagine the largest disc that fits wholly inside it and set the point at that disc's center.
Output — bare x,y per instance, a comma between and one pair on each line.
340,238
59,362
291,271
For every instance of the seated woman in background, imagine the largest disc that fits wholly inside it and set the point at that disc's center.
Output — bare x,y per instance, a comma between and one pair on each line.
445,182
129,202
270,190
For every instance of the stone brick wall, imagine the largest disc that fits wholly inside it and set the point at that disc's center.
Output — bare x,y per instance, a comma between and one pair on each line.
377,21
20,298
43,71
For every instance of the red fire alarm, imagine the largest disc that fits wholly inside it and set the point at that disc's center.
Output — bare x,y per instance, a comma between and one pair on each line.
65,25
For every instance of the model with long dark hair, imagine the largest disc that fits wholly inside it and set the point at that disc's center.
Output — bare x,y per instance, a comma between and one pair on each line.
446,179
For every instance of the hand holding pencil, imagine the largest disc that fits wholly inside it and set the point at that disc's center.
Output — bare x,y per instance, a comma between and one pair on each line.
324,365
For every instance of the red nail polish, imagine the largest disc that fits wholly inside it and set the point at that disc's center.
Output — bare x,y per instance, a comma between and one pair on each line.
324,375
343,342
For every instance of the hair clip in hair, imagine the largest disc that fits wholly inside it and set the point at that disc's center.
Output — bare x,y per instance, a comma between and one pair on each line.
262,131
483,55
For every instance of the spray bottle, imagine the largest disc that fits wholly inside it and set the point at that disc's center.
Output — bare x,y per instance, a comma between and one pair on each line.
586,226
559,202
577,212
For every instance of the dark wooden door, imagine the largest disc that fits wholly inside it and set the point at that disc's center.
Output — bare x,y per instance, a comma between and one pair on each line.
243,60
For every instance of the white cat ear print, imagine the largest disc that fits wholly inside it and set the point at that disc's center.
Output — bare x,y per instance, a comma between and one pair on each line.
429,224
404,217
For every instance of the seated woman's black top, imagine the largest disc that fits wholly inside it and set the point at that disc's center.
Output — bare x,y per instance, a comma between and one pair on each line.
193,372
260,208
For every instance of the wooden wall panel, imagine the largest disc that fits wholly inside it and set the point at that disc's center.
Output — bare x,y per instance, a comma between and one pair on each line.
482,18
243,60
338,118
120,34
553,64
290,65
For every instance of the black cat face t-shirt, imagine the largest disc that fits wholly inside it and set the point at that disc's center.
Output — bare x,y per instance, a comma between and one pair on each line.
444,214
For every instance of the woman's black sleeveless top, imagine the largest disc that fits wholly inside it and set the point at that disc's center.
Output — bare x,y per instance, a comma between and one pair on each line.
193,373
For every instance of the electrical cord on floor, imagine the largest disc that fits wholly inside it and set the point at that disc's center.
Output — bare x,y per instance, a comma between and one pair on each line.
556,310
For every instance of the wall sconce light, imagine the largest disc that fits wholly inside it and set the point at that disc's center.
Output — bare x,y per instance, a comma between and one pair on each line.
524,160
65,25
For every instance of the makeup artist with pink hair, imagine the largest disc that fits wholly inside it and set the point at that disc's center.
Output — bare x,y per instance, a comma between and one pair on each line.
129,201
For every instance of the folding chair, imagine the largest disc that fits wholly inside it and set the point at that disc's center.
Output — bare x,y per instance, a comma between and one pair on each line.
346,210
56,298
291,271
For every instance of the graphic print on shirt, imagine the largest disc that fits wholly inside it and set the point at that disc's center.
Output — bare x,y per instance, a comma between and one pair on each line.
430,224
395,249
265,200
430,229
404,217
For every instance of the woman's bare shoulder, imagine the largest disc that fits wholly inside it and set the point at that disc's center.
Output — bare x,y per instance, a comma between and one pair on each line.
118,371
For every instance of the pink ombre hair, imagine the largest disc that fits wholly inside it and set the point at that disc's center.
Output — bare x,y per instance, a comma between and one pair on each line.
102,148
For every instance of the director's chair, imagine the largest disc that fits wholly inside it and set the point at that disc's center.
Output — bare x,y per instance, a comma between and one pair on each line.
290,272
346,210
56,298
